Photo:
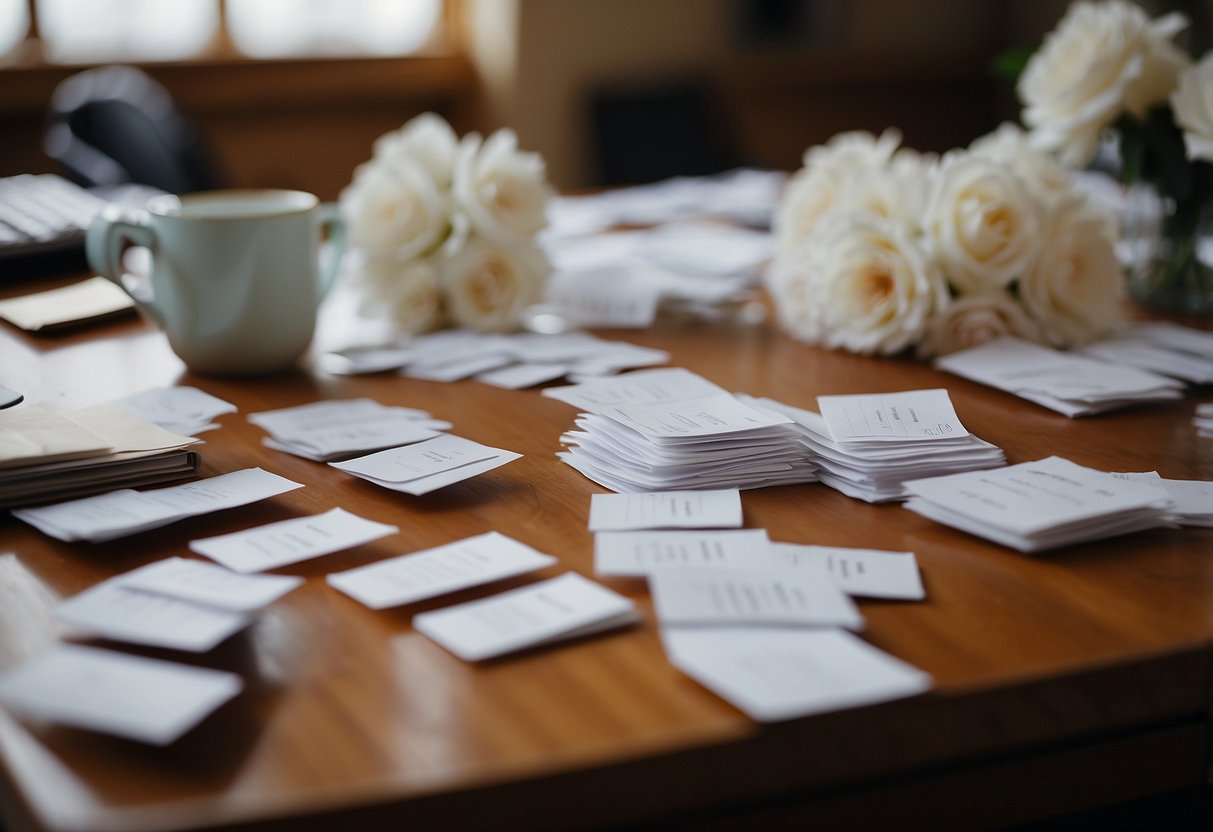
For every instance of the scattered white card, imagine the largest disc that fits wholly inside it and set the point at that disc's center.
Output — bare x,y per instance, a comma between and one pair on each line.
183,410
867,573
115,693
774,674
634,554
720,509
426,466
560,608
291,541
726,596
122,613
438,571
213,586
328,430
120,513
643,387
88,300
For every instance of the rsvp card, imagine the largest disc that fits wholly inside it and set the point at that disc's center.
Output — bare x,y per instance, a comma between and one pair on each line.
635,554
291,541
868,573
426,466
142,699
438,571
553,610
719,509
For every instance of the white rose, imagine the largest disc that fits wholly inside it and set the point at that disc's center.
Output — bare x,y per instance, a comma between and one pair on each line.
860,282
488,285
426,140
1193,106
808,195
393,208
1073,288
504,192
982,223
974,319
857,148
897,192
407,293
1101,60
1009,145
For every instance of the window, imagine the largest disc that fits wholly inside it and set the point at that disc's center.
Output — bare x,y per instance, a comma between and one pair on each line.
94,31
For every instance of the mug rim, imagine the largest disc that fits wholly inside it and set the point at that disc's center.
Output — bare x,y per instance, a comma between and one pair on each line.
169,205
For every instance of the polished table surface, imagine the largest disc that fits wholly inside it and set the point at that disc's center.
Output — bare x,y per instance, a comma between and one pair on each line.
1061,681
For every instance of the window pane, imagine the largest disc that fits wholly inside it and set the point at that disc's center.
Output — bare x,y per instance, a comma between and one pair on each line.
14,23
281,28
77,31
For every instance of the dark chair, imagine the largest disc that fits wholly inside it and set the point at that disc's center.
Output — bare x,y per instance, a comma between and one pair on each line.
658,130
116,125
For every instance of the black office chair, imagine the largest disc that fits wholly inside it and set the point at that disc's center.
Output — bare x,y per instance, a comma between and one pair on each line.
643,133
116,125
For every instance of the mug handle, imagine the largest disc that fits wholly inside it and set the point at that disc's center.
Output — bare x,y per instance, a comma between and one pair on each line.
334,227
109,234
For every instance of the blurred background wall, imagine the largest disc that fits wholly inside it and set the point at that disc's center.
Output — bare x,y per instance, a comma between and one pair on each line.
609,91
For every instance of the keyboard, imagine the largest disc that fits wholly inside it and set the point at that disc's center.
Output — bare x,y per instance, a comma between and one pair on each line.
43,213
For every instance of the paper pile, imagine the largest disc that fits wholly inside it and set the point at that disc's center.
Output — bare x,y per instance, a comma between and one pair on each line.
176,603
1074,385
759,624
1163,348
184,410
50,456
1191,500
121,513
671,429
1041,505
509,361
338,429
868,445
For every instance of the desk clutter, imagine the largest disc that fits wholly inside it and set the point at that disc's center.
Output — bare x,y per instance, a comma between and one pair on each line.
770,626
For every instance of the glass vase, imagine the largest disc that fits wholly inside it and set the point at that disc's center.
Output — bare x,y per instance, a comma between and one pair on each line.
1168,249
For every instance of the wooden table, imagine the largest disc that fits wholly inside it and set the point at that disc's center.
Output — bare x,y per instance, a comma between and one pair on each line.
1068,680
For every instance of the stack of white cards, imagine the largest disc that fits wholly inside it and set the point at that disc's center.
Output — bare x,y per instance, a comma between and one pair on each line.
1164,348
1074,385
759,624
291,541
868,445
176,603
1191,500
1041,505
659,430
561,608
135,697
184,410
1204,420
508,361
338,429
121,513
427,466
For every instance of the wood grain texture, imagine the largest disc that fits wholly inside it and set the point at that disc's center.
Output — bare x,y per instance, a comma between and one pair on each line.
1100,652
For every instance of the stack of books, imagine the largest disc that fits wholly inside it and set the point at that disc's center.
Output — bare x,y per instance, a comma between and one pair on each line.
663,430
47,456
868,445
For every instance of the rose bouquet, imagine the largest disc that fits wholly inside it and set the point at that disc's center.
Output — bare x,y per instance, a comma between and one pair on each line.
446,228
880,248
1108,70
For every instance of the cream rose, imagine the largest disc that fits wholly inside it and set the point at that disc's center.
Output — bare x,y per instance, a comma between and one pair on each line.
855,149
407,293
1009,145
427,141
488,285
1192,103
806,197
859,282
1101,60
1074,286
974,319
982,223
503,192
393,209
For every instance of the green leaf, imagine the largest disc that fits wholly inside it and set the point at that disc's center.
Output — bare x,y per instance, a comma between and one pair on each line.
1009,65
1170,168
1132,149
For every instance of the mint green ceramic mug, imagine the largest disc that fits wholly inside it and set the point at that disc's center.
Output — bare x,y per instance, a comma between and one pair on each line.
235,275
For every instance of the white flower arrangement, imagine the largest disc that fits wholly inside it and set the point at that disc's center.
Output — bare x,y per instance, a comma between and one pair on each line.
446,228
880,248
